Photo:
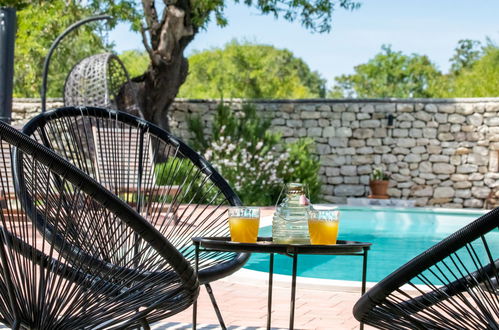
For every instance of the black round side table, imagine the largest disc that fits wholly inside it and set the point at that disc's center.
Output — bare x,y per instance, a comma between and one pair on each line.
265,245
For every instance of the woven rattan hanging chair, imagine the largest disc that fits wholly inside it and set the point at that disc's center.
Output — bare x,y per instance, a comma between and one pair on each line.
100,80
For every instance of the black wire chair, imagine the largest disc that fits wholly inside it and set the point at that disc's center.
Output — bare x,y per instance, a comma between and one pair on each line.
164,180
73,256
453,285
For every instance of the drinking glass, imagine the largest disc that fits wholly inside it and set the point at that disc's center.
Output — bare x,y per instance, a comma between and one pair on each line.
243,223
323,225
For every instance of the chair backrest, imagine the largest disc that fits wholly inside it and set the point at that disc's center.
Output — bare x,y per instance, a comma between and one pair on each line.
77,256
116,154
195,202
453,285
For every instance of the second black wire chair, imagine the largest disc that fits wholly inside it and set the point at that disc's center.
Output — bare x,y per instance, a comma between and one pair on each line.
171,185
73,256
453,285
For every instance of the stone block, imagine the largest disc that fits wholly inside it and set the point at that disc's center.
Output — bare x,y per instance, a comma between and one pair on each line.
441,118
456,119
294,123
348,170
443,168
475,119
349,190
473,203
418,150
343,132
421,191
406,142
364,150
430,133
333,160
338,142
467,168
345,151
443,192
309,114
329,132
412,158
363,133
400,132
439,158
364,169
362,159
462,185
447,108
351,180
423,116
446,137
374,123
348,116
332,171
480,192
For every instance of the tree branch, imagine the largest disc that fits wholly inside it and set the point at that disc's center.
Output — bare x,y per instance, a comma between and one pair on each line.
150,13
172,31
147,46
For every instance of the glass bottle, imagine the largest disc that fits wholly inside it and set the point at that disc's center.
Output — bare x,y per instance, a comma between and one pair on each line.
290,222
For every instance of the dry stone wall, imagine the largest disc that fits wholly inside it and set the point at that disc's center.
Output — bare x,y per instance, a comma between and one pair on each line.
439,152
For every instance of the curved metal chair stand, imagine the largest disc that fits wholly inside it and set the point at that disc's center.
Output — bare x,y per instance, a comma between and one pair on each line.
53,47
164,180
459,291
72,255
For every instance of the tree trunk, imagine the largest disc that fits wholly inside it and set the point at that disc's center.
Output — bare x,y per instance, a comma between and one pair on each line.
158,86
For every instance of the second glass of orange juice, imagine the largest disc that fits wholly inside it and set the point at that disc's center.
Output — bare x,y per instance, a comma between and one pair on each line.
244,223
323,226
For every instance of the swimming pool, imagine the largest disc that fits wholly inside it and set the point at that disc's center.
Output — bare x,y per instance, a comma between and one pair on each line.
397,234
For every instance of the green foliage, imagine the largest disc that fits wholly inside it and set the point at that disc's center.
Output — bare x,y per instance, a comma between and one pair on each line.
250,71
38,26
251,158
379,174
313,15
176,171
479,79
389,74
304,167
136,62
465,55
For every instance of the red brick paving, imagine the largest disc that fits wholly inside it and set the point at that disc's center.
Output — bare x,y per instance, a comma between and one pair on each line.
245,304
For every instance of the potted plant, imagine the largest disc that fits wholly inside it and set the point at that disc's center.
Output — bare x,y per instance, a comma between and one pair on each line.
379,183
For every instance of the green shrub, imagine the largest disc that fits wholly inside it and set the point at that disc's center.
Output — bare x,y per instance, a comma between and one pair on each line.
254,160
304,167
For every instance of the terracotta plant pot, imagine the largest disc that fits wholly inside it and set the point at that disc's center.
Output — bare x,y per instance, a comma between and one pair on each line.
379,188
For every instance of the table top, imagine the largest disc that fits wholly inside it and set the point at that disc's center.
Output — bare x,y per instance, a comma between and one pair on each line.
265,245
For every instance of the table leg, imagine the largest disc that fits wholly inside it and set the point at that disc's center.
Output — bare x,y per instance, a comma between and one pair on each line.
364,273
269,301
293,293
195,304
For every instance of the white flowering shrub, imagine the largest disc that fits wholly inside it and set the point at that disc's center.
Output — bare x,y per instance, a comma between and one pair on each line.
251,158
254,172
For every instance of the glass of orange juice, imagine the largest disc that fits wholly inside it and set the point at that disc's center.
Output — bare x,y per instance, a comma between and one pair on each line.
323,225
243,223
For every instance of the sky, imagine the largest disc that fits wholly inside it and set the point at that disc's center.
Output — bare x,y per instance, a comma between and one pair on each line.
424,27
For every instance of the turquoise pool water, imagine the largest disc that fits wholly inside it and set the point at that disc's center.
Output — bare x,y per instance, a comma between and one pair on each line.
397,235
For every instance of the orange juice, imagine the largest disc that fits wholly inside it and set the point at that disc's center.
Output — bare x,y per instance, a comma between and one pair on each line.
323,231
243,230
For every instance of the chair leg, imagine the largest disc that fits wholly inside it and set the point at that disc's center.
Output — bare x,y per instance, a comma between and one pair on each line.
144,324
215,306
